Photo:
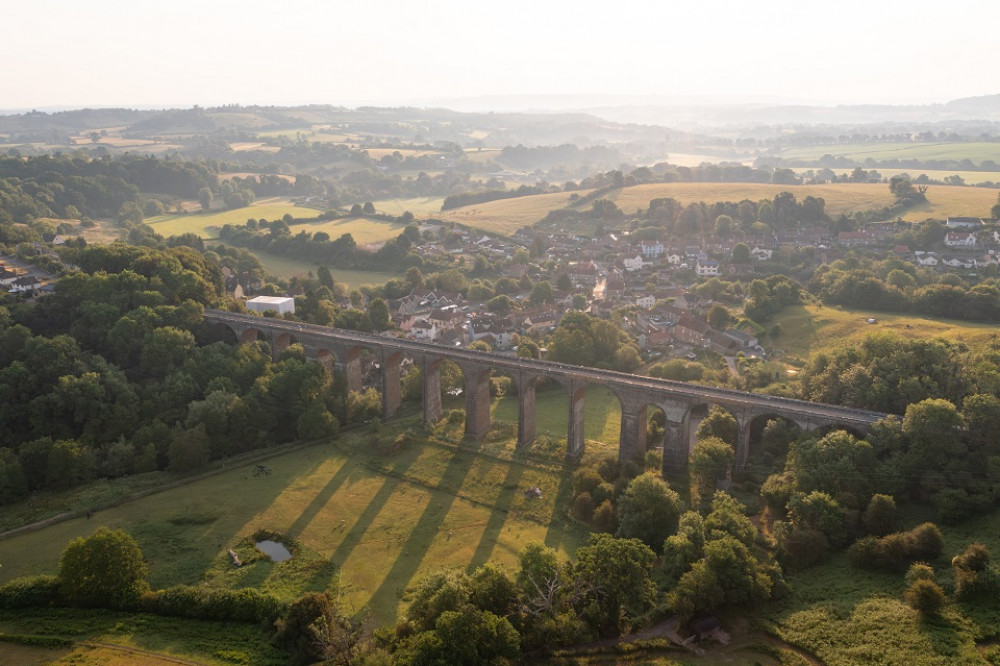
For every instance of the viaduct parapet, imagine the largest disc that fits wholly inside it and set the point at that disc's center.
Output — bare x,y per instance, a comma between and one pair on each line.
636,394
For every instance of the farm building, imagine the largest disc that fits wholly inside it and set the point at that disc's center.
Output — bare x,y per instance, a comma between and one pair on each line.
279,304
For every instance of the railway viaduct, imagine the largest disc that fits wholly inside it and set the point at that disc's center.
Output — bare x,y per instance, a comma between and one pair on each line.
635,393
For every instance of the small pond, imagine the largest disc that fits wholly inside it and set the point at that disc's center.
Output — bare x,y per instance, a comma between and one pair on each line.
276,551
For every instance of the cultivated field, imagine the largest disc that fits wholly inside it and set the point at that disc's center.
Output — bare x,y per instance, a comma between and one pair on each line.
977,152
507,215
419,206
207,224
364,231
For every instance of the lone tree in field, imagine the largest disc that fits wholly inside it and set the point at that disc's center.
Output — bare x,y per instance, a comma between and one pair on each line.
104,570
205,198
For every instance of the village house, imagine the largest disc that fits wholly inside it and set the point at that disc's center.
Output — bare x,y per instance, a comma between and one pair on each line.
651,249
645,302
963,223
633,264
959,239
706,267
761,253
424,330
925,258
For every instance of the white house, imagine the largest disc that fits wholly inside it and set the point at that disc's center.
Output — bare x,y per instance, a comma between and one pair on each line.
925,258
675,258
632,264
706,267
959,239
651,249
279,304
645,302
761,253
424,330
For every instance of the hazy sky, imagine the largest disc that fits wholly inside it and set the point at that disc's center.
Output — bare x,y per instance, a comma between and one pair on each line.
70,53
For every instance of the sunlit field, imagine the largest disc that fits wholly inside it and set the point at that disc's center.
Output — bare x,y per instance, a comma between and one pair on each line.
370,525
207,224
977,152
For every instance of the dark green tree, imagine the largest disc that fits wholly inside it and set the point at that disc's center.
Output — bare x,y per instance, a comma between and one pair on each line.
106,569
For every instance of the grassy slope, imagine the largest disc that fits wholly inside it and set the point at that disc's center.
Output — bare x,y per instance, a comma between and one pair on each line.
810,329
506,216
383,522
845,616
285,267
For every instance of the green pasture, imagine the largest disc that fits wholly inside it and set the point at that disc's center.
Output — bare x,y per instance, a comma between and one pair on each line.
815,328
847,616
108,638
370,525
285,267
602,417
977,152
364,230
419,206
207,224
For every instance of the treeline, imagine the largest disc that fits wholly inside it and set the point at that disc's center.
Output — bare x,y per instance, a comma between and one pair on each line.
71,186
834,490
897,286
784,211
277,237
115,373
469,198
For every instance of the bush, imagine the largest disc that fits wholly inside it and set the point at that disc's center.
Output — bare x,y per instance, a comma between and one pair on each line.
583,507
604,517
105,570
799,548
879,517
925,596
864,553
894,551
30,592
241,605
919,571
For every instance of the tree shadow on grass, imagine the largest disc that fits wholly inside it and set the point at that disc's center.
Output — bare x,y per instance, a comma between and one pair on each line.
357,531
498,516
556,535
321,499
421,537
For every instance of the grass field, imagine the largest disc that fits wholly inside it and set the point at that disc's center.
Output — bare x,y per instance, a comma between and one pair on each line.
365,231
283,267
977,152
207,224
419,206
848,616
370,525
109,638
811,329
507,215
